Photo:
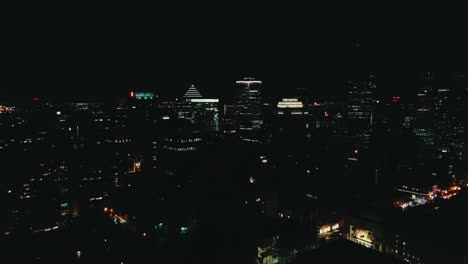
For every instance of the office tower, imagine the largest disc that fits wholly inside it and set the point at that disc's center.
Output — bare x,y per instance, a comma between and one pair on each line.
290,117
457,139
289,126
249,108
423,117
205,112
184,107
250,104
460,105
448,134
327,115
201,111
192,92
361,98
182,138
168,109
448,128
290,106
360,101
141,106
45,195
178,140
442,122
408,116
389,116
140,95
229,125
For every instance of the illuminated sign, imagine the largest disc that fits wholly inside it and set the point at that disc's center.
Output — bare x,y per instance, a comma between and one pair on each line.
144,95
199,100
329,229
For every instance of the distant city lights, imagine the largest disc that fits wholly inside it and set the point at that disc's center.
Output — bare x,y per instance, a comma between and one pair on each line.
417,198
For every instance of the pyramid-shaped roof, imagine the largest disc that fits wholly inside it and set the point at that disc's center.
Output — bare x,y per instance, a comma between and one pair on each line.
192,92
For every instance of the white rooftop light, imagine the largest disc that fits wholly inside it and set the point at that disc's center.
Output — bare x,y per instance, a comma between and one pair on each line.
203,100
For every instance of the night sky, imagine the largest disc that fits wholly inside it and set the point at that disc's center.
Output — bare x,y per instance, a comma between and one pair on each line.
86,49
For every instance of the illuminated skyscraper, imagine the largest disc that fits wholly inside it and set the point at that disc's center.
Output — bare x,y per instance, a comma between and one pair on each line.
192,92
249,107
177,140
180,136
460,87
289,126
201,111
205,112
184,107
361,98
448,128
424,111
290,106
140,95
141,105
442,121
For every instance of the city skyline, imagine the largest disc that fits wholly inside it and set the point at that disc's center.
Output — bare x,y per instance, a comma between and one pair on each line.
98,48
245,134
277,87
